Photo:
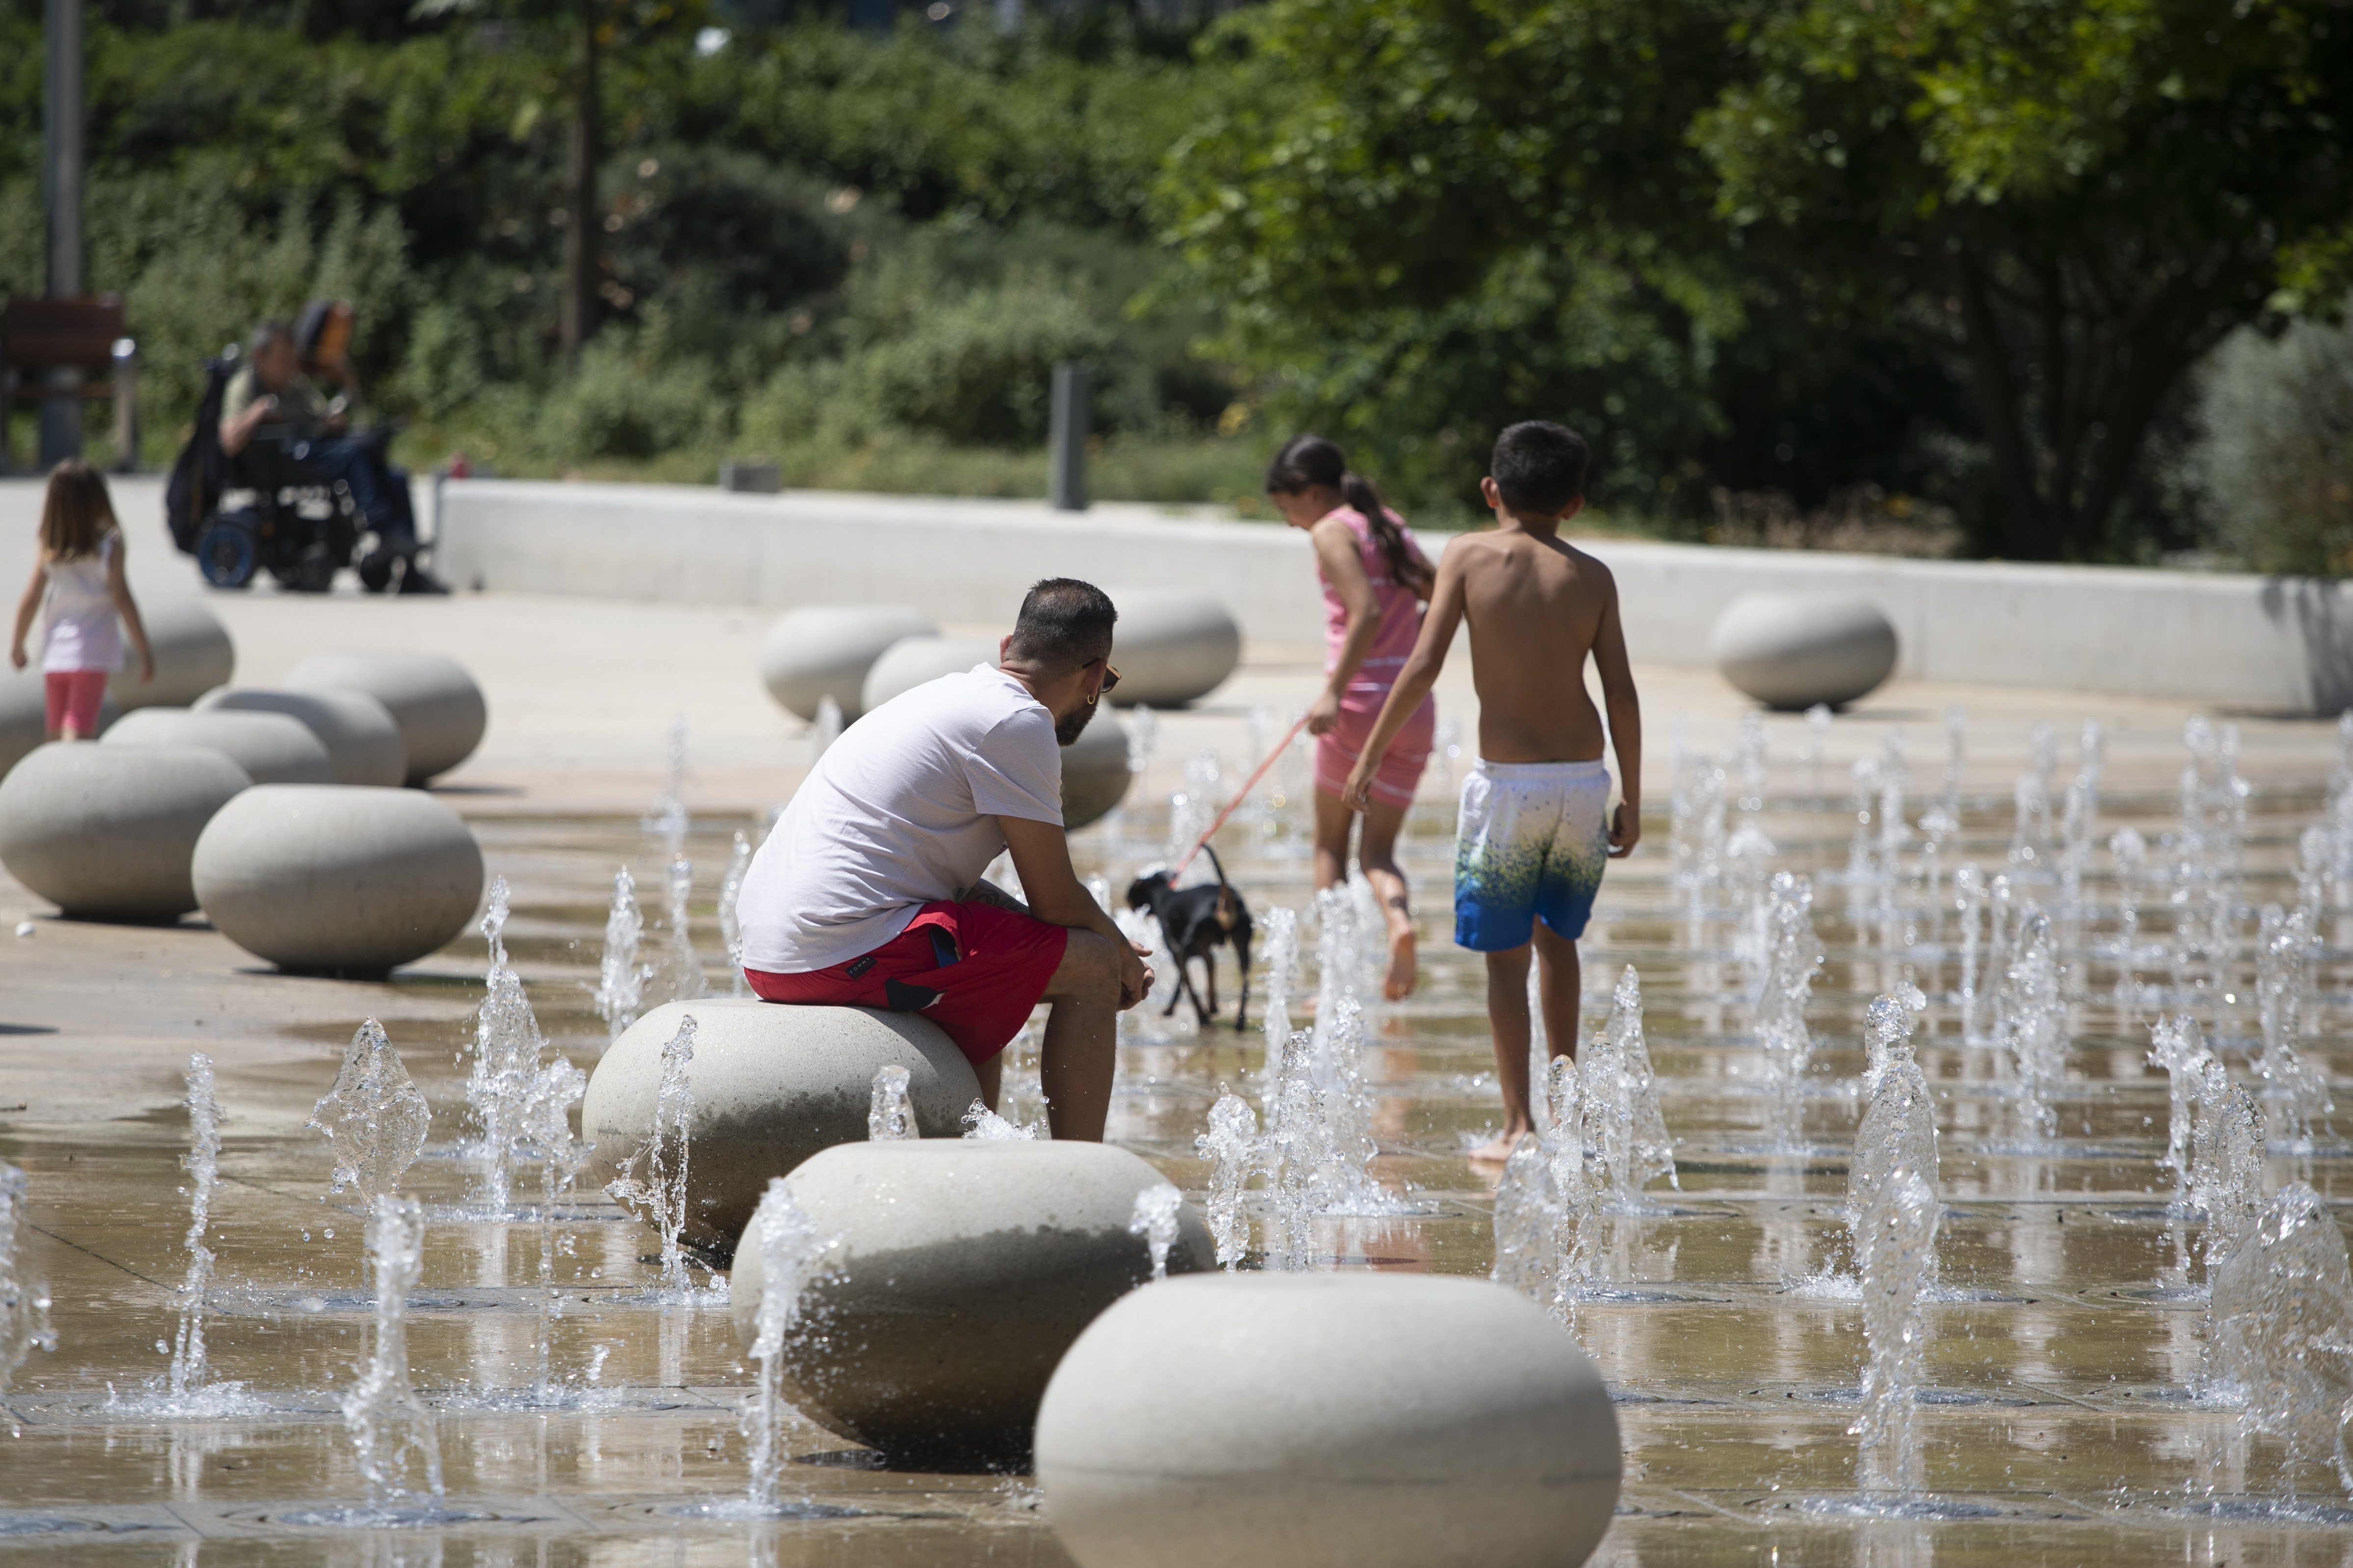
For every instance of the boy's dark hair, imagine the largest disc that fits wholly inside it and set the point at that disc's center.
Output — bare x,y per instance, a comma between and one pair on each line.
1064,624
1539,467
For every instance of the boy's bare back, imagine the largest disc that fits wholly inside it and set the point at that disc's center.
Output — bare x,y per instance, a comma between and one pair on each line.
1537,606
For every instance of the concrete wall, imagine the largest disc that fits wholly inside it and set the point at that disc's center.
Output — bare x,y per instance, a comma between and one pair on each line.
2278,645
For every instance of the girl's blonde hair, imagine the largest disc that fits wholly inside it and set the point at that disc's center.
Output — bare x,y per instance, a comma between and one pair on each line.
77,514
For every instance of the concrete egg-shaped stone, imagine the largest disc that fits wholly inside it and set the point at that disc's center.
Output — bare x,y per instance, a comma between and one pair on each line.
24,714
913,661
364,744
110,831
1094,772
338,878
825,650
964,1271
1171,647
271,748
438,708
1377,1420
193,655
1791,651
773,1085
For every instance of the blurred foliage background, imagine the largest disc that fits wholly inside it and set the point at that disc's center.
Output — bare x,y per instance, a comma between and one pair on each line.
2036,279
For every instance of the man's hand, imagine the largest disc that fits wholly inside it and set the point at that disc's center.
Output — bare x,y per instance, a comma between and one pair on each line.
1324,715
1625,830
1135,975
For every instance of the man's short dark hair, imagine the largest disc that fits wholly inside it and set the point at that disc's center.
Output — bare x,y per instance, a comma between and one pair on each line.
1064,624
268,335
1539,467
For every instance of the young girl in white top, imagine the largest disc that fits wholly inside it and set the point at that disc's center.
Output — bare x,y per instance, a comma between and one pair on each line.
79,591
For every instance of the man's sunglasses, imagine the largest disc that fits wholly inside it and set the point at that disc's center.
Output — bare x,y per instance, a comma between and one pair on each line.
1111,678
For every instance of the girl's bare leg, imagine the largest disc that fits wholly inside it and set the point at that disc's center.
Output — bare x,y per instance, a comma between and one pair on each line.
1377,855
1333,822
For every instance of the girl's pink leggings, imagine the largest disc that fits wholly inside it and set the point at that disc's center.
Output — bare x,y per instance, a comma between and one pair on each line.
73,699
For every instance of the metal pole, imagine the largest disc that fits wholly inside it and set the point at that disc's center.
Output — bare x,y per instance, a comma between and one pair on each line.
61,192
1065,476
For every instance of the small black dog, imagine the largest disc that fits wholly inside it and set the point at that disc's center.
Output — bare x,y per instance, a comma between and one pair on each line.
1195,922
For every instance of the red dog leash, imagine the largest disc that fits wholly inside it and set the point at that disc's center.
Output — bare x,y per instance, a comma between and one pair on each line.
1251,784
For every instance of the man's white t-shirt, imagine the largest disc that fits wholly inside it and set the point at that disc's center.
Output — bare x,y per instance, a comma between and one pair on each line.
900,812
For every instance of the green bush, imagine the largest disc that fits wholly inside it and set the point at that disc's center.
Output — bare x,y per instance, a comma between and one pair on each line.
2276,466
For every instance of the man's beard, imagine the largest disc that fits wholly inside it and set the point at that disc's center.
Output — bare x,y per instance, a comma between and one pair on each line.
1067,731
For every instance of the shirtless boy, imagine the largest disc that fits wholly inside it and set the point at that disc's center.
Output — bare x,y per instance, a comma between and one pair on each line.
1532,837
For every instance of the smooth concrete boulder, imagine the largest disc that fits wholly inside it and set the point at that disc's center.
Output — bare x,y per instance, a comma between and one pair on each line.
912,661
1790,651
364,745
1094,772
1372,1420
338,878
107,832
438,708
964,1271
193,655
773,1085
271,748
1171,647
24,714
825,650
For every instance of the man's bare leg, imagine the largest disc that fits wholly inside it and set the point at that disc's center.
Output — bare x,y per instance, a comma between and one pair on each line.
1082,1040
1376,853
1558,979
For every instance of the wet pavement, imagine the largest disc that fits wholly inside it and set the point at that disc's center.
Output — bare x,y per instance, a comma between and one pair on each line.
2059,1428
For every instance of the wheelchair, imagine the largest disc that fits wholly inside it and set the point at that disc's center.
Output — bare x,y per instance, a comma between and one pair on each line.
270,507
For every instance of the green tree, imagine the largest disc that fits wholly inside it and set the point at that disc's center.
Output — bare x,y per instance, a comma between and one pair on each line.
1586,205
2075,201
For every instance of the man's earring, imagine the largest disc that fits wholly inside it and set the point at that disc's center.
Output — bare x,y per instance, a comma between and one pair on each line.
1092,701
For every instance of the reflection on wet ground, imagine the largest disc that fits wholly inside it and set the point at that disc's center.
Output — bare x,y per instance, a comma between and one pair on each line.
2059,1428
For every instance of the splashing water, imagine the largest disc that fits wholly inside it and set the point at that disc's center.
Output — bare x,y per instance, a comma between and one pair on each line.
2176,1045
826,728
390,1427
1625,1133
1294,1153
202,1164
1156,1208
2226,1161
1231,1146
661,1196
506,1048
2036,1012
985,1126
793,1257
374,1119
2283,978
677,970
621,978
1896,1241
1549,1225
668,821
888,1115
1282,927
555,1089
2283,1313
731,920
24,1299
1792,959
1897,1135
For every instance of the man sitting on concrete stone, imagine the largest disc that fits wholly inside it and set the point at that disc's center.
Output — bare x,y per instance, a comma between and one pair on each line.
870,894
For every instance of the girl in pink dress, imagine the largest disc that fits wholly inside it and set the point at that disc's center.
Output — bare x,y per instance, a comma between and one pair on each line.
1375,580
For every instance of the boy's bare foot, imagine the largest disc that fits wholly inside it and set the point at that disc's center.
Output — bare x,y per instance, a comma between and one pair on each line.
1403,973
1497,1150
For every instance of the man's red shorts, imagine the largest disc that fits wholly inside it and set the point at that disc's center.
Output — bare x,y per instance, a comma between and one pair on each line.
974,970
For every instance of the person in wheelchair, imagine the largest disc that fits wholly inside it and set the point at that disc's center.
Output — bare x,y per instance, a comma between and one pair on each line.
272,399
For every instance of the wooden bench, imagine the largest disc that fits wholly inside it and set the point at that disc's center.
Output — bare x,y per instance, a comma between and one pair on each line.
70,348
